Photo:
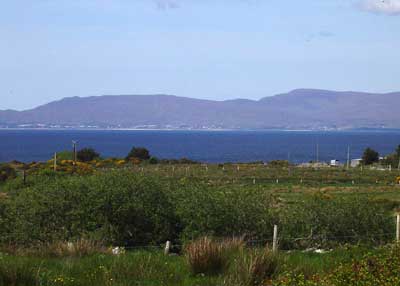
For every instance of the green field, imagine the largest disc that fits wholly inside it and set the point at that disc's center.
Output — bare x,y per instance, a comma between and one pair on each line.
109,203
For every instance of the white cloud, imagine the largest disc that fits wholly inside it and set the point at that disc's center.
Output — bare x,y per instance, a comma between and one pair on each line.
388,7
167,4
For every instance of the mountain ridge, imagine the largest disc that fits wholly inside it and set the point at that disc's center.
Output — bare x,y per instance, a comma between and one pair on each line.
298,109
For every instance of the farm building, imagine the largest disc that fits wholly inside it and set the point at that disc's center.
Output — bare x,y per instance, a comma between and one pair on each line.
355,162
335,163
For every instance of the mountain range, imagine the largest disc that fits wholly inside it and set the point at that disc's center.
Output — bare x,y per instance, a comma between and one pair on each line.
309,109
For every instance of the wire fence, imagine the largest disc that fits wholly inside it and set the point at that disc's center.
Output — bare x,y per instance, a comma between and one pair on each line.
308,243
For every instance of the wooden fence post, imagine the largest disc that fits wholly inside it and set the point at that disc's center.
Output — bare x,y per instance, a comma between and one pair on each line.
55,162
167,247
398,228
275,239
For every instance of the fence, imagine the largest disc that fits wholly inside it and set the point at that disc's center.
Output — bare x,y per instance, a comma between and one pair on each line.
275,242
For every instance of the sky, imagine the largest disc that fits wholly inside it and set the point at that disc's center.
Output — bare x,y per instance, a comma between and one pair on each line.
210,49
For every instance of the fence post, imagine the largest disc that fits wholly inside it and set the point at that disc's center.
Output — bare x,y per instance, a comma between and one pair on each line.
167,247
398,228
55,162
275,239
24,176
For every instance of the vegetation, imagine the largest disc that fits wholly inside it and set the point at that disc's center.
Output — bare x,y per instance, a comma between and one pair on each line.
7,172
393,159
370,156
139,153
87,155
206,256
248,267
62,226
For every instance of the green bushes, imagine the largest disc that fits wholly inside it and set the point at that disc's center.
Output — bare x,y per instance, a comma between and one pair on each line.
6,172
138,153
323,221
223,212
87,154
118,208
127,209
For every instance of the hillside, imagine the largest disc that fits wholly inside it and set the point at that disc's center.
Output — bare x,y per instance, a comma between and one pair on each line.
298,109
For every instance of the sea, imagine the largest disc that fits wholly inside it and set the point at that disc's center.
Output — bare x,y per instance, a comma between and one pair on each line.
204,146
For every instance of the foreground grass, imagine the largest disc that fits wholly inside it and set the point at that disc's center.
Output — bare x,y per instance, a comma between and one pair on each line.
154,268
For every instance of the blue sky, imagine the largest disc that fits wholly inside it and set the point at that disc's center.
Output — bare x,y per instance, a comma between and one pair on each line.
214,49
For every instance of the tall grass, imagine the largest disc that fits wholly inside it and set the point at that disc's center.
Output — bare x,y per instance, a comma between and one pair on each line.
78,248
206,256
255,267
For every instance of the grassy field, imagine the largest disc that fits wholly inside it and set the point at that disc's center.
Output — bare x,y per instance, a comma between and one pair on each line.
348,213
155,268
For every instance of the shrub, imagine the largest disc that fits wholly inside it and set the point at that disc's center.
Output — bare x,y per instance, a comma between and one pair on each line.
153,160
325,221
206,256
7,172
278,163
87,155
121,208
65,156
222,212
139,153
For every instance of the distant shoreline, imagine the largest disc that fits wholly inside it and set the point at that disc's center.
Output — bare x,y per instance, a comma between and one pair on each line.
204,130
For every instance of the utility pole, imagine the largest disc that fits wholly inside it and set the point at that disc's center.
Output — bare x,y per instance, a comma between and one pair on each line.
74,143
348,157
317,152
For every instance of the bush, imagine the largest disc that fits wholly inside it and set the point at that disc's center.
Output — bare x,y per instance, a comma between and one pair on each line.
153,160
139,153
206,256
87,155
279,163
7,172
324,221
65,155
222,212
119,208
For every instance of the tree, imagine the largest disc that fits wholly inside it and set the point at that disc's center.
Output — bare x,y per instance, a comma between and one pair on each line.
370,156
139,153
87,154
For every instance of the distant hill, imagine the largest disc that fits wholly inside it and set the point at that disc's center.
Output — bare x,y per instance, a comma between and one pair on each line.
298,109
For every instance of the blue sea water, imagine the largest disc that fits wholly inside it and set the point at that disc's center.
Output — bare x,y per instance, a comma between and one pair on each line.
205,146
